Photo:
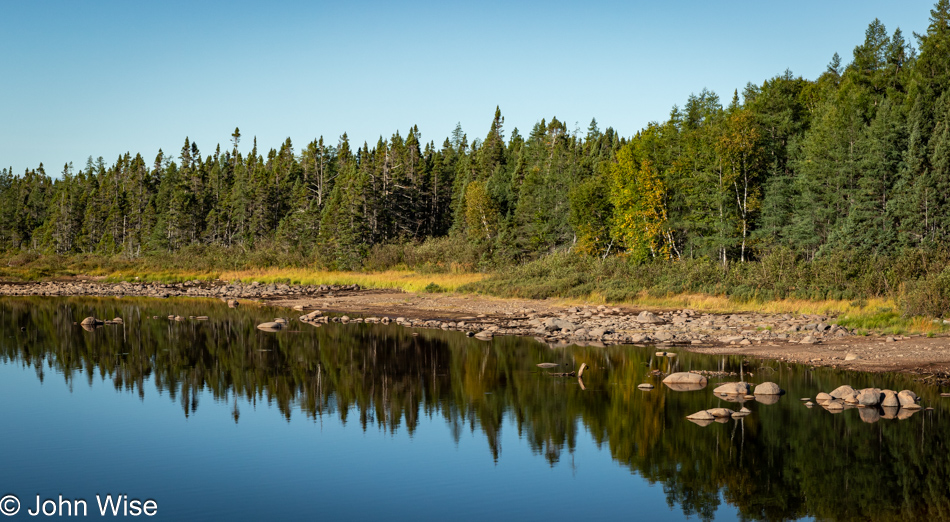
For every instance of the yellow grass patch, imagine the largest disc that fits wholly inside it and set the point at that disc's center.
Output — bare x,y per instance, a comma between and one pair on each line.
723,304
404,280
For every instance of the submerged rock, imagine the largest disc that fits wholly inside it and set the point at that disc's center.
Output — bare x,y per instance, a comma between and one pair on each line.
720,412
684,386
741,413
835,405
733,388
701,415
732,397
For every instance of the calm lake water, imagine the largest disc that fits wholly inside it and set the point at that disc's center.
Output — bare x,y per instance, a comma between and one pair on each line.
215,420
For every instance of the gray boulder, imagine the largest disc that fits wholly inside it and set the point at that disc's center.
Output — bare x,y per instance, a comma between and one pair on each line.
272,326
908,399
767,388
842,392
685,378
870,397
890,399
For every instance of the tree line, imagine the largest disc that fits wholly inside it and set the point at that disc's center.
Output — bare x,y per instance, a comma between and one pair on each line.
857,159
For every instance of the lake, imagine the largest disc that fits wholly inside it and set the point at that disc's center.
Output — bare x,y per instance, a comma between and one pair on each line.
216,420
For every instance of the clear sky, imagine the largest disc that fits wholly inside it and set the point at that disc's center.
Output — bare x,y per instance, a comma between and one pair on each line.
81,79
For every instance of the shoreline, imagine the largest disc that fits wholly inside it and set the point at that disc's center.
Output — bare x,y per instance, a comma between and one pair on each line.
800,338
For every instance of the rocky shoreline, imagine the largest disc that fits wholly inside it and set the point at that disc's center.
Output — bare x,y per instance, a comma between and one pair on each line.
810,339
581,325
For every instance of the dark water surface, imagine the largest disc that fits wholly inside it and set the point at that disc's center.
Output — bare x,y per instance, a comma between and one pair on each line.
215,420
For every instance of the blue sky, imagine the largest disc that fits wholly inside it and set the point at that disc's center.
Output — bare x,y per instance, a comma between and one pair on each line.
86,79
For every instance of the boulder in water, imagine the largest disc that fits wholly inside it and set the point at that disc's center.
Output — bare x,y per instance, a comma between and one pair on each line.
767,388
701,415
733,388
720,412
890,399
908,399
842,392
271,326
685,378
870,397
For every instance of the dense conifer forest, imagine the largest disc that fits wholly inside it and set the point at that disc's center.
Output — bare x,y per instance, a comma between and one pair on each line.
849,169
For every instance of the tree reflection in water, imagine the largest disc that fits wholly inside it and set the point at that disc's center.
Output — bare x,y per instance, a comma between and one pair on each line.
783,462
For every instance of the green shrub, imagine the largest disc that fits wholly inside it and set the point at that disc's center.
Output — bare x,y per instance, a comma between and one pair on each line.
433,288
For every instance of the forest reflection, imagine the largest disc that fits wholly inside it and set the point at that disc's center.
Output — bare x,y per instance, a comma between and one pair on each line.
783,462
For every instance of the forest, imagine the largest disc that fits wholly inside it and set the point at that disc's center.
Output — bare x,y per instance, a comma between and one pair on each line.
839,185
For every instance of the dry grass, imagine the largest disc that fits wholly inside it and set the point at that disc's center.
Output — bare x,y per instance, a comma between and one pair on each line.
404,280
877,316
723,304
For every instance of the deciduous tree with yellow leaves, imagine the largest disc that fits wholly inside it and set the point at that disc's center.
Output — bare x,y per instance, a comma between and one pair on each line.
638,195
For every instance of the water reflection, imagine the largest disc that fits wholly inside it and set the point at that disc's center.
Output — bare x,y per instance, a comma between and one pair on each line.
784,461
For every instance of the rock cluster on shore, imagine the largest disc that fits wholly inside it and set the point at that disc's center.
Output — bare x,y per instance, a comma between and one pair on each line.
195,288
601,325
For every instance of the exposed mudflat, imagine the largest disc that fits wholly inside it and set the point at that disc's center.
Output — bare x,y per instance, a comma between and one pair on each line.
810,339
